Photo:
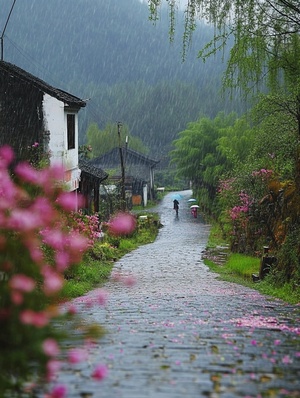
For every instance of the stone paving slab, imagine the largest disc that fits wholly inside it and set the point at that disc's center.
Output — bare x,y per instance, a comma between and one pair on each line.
180,332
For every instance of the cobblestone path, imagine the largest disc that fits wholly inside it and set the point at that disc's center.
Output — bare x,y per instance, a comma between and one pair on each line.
180,332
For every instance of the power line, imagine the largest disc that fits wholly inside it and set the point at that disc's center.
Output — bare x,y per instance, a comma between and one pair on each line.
92,109
3,32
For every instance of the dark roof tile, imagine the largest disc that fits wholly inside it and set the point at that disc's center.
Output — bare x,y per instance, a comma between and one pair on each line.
61,95
86,167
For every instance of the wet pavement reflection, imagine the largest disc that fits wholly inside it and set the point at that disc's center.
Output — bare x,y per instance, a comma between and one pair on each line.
181,332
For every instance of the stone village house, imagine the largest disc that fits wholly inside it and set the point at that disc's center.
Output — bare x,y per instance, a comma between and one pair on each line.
139,172
32,111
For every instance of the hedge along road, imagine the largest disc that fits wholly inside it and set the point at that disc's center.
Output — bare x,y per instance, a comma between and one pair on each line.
180,332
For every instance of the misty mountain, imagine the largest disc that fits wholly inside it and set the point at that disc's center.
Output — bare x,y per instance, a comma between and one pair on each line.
108,51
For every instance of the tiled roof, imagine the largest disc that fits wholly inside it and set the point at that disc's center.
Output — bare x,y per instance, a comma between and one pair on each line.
86,167
61,95
130,154
142,157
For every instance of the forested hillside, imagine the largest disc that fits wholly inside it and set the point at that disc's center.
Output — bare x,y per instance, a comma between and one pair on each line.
108,51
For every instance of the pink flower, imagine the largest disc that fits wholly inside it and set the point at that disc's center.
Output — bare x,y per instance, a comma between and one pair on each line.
100,372
277,342
35,252
77,243
38,319
116,276
287,359
6,155
24,220
8,193
53,282
16,297
27,173
44,209
62,260
102,297
59,391
72,309
68,201
22,282
77,355
50,347
53,238
56,172
53,367
122,224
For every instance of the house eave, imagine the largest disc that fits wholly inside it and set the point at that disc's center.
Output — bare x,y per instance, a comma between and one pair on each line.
21,74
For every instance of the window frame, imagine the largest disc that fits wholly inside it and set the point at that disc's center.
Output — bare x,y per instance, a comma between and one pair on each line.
71,131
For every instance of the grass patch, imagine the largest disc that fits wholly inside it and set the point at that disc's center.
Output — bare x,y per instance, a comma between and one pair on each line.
87,275
285,292
215,238
238,268
243,266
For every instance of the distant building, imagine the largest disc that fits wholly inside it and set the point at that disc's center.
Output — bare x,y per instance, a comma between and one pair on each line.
139,172
89,186
35,115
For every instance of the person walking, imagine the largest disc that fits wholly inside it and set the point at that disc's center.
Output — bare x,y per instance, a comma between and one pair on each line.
176,206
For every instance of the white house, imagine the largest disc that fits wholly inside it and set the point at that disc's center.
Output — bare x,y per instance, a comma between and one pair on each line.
32,111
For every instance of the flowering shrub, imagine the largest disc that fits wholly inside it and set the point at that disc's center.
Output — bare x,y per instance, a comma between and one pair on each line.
38,158
87,225
242,208
31,222
242,211
263,173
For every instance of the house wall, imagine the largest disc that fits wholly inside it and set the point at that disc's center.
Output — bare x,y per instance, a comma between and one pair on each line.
21,115
28,116
55,120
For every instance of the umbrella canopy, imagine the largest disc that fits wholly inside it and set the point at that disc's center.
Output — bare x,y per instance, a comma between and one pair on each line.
192,200
194,207
176,196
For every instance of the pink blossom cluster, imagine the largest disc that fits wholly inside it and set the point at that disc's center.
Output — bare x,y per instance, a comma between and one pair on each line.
264,173
245,201
87,225
122,224
225,185
32,205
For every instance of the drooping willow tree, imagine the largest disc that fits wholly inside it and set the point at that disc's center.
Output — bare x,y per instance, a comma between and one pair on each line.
263,31
265,55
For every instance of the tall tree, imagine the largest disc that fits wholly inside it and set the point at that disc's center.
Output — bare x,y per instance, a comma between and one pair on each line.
266,49
262,29
200,157
103,141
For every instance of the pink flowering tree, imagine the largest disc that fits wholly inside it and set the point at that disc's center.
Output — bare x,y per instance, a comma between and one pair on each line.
241,213
37,246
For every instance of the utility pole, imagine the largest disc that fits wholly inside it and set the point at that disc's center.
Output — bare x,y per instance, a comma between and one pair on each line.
2,36
123,196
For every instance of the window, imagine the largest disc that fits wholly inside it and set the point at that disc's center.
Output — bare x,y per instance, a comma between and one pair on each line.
71,130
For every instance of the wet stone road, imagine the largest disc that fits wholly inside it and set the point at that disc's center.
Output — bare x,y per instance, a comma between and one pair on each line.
180,332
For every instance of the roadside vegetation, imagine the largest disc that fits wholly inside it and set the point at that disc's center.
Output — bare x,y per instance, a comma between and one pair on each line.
245,168
64,254
238,268
97,263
